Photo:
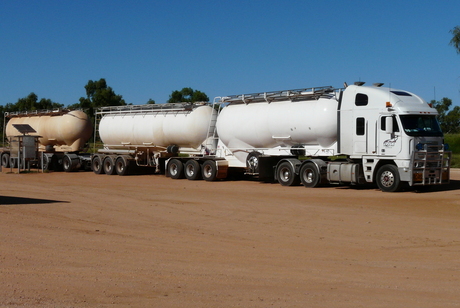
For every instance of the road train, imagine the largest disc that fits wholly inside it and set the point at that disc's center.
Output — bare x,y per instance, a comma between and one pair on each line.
313,136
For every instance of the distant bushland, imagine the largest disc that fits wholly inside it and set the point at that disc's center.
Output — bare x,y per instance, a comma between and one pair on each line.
453,140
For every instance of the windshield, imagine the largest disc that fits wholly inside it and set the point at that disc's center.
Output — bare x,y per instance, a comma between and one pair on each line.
421,125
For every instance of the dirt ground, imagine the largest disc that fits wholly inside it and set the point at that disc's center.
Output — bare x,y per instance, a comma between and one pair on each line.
87,240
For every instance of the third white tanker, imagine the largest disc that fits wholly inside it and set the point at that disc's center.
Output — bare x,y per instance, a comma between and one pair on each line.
61,137
359,134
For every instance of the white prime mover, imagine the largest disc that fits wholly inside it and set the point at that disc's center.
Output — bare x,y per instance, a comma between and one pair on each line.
356,135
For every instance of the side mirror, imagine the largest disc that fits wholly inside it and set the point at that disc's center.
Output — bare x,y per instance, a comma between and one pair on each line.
389,125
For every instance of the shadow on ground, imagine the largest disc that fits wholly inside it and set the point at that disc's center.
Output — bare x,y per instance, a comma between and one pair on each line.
6,200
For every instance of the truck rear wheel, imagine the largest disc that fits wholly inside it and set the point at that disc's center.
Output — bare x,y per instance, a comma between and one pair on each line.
109,165
67,164
309,175
388,178
175,169
121,166
96,165
192,170
45,163
6,160
209,170
286,176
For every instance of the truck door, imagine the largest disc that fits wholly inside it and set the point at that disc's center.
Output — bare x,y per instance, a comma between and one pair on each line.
360,131
389,143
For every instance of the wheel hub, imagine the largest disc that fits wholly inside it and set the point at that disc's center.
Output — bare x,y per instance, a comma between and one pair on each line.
387,179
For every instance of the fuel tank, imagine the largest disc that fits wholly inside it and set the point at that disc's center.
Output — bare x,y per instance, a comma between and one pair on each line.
65,131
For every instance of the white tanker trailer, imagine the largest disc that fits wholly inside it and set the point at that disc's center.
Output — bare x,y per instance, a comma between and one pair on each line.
145,136
356,135
61,135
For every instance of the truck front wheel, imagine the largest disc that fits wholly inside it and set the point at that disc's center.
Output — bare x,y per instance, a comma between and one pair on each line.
388,178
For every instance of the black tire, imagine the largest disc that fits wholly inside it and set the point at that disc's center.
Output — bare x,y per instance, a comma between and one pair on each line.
252,162
122,166
388,178
56,163
175,169
209,170
67,164
286,176
109,165
192,170
96,165
6,160
310,175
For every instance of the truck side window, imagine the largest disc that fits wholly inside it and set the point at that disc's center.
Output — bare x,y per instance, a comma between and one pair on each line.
383,125
360,126
361,99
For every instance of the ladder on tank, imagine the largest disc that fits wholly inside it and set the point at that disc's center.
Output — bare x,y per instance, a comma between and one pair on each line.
212,136
273,96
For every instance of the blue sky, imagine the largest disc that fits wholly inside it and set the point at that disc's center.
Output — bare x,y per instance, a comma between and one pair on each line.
147,49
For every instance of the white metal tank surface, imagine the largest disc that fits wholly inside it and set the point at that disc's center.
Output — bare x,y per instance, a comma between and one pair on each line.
156,128
66,132
284,123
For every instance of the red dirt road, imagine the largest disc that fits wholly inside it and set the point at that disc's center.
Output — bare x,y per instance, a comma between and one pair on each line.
86,240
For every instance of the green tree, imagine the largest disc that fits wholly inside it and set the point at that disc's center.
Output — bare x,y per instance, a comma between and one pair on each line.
98,94
448,119
150,101
188,95
31,103
455,41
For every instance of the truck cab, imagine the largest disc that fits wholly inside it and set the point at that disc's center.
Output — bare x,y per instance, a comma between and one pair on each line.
394,135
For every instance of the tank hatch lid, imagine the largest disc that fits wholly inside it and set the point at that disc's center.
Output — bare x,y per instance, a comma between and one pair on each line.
24,128
293,95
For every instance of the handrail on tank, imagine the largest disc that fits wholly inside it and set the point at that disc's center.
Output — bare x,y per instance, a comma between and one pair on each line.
168,107
40,112
293,95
